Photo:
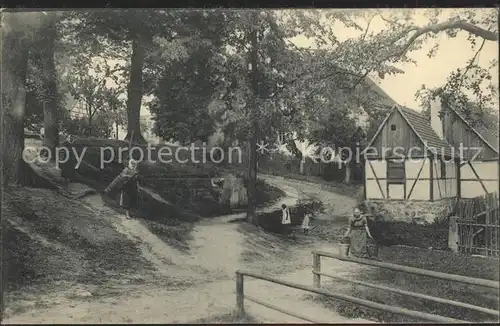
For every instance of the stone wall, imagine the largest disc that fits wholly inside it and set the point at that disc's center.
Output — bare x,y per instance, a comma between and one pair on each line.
421,212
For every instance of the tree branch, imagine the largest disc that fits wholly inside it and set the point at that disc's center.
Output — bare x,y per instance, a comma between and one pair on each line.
471,63
368,27
436,28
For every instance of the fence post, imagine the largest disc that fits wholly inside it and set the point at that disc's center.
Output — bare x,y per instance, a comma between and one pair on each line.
453,234
316,269
240,308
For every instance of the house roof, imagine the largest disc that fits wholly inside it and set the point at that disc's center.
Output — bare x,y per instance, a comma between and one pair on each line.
486,135
489,135
385,99
421,126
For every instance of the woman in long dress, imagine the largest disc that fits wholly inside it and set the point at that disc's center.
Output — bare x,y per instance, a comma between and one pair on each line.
128,185
129,194
358,232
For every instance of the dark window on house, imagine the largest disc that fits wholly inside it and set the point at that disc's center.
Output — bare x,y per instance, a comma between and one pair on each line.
443,170
393,127
396,171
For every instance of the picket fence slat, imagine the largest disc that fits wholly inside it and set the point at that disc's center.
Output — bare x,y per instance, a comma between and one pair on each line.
478,225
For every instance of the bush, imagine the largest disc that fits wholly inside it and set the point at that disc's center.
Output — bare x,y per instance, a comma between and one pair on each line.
345,240
272,221
441,221
390,233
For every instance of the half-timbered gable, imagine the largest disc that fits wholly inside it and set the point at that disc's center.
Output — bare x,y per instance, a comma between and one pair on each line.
460,134
412,157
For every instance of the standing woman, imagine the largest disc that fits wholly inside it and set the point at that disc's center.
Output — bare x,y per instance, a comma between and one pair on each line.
129,196
358,231
126,182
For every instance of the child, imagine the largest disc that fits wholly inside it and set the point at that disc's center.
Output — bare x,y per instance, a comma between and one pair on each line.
285,219
306,223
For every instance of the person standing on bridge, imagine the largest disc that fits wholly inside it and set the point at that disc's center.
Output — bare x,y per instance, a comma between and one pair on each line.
358,232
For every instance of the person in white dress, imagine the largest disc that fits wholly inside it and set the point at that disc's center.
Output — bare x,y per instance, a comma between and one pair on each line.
306,223
285,219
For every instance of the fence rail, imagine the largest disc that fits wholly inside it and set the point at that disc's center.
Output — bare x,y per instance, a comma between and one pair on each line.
412,270
401,268
240,296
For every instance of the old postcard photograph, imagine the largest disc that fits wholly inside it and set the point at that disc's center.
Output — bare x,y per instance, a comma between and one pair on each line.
242,165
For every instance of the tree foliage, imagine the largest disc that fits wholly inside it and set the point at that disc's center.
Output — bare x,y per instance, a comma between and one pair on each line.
185,89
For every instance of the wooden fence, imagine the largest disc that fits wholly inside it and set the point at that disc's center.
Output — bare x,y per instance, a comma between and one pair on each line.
478,225
316,288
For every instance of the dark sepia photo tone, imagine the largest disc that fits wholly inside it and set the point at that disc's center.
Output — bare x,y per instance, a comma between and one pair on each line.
232,165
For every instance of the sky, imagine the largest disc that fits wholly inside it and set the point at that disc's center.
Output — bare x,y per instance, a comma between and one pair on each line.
453,53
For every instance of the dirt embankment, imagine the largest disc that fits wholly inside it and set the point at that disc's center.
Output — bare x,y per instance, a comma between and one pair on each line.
79,260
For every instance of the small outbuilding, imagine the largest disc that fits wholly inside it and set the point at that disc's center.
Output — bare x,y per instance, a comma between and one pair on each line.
412,157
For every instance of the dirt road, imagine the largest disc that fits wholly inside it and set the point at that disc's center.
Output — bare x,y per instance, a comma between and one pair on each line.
201,281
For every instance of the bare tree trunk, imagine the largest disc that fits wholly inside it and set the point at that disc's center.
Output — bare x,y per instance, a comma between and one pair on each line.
51,109
347,178
90,125
15,52
116,130
252,164
134,92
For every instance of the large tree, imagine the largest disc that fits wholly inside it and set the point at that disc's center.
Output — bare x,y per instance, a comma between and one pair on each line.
131,35
185,90
471,88
43,61
19,29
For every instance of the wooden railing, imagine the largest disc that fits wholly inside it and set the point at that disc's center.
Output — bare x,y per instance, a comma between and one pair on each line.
240,295
412,270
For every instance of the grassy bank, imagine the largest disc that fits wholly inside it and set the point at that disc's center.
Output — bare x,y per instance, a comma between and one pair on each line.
51,243
446,262
389,233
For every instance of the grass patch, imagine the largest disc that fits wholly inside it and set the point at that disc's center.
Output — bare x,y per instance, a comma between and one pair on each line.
271,221
228,318
173,232
446,262
351,190
47,237
267,194
390,233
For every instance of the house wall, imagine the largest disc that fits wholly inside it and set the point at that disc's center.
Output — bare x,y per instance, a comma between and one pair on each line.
487,171
415,187
456,132
419,183
376,169
444,185
402,137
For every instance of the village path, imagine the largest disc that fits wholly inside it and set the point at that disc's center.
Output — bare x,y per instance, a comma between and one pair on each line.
217,249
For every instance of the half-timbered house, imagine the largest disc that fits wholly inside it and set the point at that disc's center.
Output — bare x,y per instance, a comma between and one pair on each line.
412,157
